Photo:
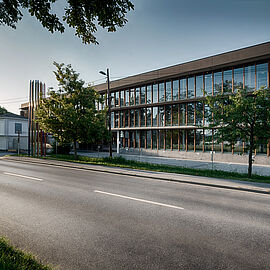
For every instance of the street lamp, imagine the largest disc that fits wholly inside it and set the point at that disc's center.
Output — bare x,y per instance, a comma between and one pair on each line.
109,108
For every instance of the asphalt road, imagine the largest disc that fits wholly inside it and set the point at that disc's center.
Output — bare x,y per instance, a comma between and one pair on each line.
79,219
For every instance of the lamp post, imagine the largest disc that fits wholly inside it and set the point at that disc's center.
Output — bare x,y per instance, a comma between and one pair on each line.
109,109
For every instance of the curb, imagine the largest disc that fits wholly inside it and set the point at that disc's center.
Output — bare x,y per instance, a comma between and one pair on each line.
141,176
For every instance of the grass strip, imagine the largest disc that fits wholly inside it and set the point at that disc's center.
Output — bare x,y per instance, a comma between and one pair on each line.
14,259
125,163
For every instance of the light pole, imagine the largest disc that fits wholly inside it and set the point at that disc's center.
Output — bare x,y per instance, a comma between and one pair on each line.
109,109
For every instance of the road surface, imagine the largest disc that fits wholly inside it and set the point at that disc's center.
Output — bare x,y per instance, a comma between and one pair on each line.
78,219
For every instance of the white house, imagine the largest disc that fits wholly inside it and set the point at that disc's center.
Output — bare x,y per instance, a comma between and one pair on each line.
10,125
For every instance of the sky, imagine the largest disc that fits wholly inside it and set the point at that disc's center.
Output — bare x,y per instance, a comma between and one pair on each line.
159,33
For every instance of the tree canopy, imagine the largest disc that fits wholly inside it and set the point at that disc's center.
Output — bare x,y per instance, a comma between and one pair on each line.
70,113
83,15
241,116
2,110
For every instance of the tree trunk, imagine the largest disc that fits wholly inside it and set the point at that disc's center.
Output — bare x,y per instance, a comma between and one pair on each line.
75,149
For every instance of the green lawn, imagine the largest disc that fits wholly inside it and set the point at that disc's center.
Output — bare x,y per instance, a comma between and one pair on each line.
14,259
124,163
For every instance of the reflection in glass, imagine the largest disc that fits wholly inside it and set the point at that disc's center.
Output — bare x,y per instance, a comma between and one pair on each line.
161,116
154,139
190,113
191,92
182,140
238,75
132,97
142,115
199,140
116,98
168,91
112,119
261,75
136,118
143,95
149,94
208,140
208,84
112,100
161,139
122,94
137,138
126,134
182,114
217,83
207,115
190,139
168,139
183,88
121,119
126,118
142,138
161,92
168,115
127,98
199,113
148,139
131,139
227,81
137,96
175,139
148,117
250,78
199,86
155,93
175,115
216,144
131,118
155,116
175,89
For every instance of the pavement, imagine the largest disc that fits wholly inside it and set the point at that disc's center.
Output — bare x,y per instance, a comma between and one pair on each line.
261,169
263,188
76,218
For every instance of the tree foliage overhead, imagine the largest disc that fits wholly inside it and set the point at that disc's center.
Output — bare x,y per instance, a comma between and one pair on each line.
2,110
70,113
83,15
241,116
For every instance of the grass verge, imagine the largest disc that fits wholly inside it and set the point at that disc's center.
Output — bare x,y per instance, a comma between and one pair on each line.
124,163
14,259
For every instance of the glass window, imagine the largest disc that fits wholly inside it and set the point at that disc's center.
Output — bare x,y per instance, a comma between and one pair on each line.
208,140
131,138
149,94
132,97
190,139
18,128
168,91
155,116
117,99
161,116
142,115
127,98
168,115
116,119
112,100
261,75
161,139
142,138
199,113
238,75
155,93
190,113
175,90
199,86
182,114
148,117
175,115
126,118
168,139
136,118
131,118
183,88
208,84
122,94
112,119
148,139
238,147
126,138
182,140
218,82
154,139
143,95
207,115
191,93
137,138
121,119
175,139
250,78
161,92
199,140
216,144
227,81
137,96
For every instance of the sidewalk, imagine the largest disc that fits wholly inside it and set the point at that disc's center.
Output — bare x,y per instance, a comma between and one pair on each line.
181,178
263,170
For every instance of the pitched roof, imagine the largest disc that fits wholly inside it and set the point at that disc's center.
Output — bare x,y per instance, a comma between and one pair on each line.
12,115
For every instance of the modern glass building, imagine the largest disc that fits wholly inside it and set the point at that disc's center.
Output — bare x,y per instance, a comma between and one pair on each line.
162,112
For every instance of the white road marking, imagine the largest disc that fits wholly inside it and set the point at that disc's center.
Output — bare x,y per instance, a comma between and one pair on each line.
23,176
139,200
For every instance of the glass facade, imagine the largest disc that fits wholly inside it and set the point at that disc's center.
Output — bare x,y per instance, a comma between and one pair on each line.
181,124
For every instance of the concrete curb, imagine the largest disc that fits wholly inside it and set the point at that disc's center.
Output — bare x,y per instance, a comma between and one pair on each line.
113,170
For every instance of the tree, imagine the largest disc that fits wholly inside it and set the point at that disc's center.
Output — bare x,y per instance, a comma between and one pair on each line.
83,16
70,113
2,110
241,116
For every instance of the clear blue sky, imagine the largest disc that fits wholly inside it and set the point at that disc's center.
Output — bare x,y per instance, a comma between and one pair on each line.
159,33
